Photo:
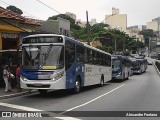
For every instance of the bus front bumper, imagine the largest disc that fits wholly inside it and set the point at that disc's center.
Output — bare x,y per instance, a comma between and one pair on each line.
43,84
115,76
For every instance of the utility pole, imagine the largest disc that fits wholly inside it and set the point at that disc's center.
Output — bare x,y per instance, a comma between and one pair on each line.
88,29
115,44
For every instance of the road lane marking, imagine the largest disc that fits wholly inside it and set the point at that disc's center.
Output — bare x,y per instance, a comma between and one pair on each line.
19,107
67,118
63,117
91,100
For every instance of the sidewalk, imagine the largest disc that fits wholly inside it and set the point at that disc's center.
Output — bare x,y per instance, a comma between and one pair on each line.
14,93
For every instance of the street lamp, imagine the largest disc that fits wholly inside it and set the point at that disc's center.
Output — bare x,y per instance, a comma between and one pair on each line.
97,38
115,44
87,26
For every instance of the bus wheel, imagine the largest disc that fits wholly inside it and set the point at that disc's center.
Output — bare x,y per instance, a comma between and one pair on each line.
127,77
77,85
42,92
102,81
123,77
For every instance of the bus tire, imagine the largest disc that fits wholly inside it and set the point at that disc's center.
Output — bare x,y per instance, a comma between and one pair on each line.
127,77
102,81
77,86
42,92
123,77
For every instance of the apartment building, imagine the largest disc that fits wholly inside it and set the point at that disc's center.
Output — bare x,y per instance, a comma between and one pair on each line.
116,20
154,24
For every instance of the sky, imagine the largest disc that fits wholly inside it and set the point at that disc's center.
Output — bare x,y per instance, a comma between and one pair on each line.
139,12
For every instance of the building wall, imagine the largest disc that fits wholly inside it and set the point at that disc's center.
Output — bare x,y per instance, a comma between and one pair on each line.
49,26
8,35
59,26
137,27
64,26
152,25
93,22
116,20
115,11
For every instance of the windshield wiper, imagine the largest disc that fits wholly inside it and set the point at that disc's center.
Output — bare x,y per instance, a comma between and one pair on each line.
48,51
30,52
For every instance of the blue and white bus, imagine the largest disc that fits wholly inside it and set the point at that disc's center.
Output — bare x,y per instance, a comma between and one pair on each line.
52,62
121,67
139,65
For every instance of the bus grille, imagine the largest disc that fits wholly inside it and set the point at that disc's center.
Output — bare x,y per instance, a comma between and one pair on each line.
35,86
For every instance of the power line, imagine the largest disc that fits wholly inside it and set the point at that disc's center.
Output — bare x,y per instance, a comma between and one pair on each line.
23,11
29,15
49,6
102,21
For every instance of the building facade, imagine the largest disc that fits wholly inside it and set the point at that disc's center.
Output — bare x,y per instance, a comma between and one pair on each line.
12,25
153,25
116,20
59,26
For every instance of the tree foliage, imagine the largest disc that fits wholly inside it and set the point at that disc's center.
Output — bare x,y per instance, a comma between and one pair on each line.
123,41
148,33
14,9
64,16
108,49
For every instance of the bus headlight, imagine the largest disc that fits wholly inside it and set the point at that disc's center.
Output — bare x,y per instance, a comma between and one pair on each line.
23,78
58,75
119,73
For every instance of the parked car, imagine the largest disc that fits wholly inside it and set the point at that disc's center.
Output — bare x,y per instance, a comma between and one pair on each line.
149,62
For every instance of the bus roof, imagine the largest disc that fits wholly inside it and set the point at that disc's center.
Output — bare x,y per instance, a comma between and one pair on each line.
9,50
35,35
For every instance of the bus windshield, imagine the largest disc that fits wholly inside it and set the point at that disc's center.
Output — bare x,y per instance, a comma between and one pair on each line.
116,65
43,57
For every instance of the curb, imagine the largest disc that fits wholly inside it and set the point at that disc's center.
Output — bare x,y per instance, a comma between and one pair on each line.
156,68
17,94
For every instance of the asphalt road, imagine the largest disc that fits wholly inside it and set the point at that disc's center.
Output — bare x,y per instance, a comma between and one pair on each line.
139,93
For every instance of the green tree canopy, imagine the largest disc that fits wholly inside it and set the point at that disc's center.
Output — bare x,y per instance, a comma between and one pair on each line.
14,9
64,16
148,33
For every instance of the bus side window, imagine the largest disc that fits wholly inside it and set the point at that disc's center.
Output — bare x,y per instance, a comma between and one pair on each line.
69,54
85,55
80,52
90,56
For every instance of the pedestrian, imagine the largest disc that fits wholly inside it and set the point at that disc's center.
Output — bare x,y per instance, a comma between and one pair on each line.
18,70
6,75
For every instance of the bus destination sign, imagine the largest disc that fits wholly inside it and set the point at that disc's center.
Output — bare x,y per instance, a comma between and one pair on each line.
42,39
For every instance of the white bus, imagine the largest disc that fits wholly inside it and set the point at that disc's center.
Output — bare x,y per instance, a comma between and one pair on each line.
51,61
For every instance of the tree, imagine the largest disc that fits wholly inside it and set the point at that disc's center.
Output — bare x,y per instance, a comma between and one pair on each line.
64,16
106,49
148,33
14,9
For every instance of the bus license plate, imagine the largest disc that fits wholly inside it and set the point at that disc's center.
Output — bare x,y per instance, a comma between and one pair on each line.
38,84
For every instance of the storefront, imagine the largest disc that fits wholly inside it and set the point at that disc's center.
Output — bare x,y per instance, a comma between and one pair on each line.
12,29
9,40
